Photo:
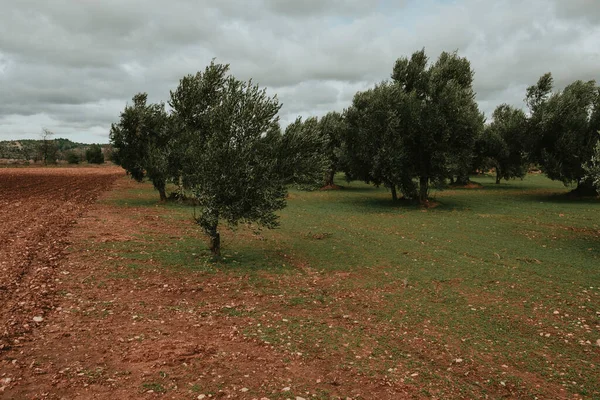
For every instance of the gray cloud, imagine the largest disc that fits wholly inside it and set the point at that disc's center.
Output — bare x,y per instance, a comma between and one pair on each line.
579,9
71,66
320,8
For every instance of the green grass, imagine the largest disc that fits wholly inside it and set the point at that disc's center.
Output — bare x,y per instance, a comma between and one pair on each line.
507,275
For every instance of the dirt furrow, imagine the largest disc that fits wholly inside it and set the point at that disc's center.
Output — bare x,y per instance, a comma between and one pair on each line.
38,209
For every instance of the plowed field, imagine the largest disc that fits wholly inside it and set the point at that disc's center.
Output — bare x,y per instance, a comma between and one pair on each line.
38,206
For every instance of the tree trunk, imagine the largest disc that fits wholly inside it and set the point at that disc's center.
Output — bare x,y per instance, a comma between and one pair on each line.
394,193
163,194
462,180
160,185
329,177
423,189
498,176
585,189
215,243
209,221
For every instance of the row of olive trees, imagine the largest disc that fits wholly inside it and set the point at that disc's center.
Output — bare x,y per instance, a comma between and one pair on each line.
222,141
562,131
559,135
423,127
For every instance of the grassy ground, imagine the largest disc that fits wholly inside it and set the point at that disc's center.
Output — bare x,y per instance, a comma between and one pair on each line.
495,291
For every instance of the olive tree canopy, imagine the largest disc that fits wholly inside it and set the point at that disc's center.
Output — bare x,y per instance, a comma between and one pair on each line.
227,126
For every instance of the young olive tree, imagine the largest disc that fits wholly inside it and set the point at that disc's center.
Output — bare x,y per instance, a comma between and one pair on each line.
141,142
228,128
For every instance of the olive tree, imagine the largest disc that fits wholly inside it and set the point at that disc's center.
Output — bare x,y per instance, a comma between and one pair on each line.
228,127
448,121
418,129
563,130
502,143
141,142
300,153
375,150
331,128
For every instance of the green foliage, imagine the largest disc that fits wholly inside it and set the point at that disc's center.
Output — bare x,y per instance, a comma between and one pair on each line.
141,142
421,126
374,146
94,155
229,128
63,145
300,153
48,153
73,157
592,168
563,128
448,121
538,94
28,149
18,149
331,128
502,143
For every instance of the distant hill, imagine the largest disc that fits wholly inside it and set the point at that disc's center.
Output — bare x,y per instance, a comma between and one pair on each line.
28,150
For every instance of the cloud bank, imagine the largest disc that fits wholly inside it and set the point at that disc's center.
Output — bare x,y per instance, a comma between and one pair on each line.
71,66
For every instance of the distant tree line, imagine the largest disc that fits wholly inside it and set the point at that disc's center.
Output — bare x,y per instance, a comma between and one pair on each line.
48,150
222,142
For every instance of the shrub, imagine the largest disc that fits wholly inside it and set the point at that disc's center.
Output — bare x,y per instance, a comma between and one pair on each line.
94,155
73,158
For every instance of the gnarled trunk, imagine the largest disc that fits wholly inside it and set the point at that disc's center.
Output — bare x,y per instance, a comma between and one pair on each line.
329,176
215,243
210,224
498,176
394,193
160,185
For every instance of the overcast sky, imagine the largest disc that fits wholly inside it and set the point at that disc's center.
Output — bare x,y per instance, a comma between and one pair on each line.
72,65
